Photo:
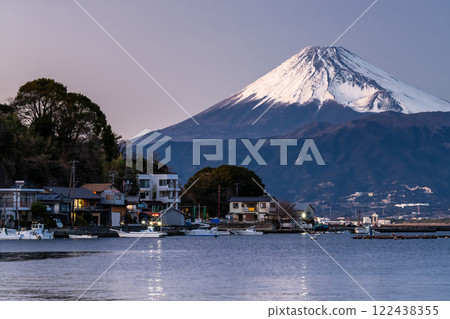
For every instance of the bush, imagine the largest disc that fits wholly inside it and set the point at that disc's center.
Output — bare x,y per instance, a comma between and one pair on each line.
80,221
128,218
88,217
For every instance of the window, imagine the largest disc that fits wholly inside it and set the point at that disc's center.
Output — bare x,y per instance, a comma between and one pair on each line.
272,205
144,183
163,182
118,197
262,205
109,197
80,203
142,195
26,199
235,205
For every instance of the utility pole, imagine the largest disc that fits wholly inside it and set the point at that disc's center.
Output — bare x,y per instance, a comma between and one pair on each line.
112,175
218,205
72,185
237,189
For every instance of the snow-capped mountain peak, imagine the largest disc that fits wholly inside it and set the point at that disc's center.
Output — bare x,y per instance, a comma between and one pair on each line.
334,74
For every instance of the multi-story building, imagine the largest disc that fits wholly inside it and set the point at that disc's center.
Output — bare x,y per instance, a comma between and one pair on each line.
113,201
84,201
251,209
15,202
159,191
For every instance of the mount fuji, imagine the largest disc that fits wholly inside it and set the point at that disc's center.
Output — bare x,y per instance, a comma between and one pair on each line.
318,84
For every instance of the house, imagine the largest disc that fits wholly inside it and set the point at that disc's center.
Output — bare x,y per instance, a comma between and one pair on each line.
303,212
84,201
15,202
173,217
159,191
301,217
58,205
251,209
112,201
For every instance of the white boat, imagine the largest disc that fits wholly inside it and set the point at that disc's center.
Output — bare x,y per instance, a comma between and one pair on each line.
37,232
202,231
225,232
362,230
146,233
7,234
249,232
72,236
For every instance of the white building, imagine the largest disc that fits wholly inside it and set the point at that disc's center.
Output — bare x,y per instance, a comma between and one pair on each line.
162,188
251,209
16,202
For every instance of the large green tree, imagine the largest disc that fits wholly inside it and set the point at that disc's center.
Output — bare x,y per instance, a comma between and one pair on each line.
45,127
233,181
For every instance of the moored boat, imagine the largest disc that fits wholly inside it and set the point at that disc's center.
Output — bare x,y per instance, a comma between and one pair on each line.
146,233
8,234
202,231
37,232
85,236
250,231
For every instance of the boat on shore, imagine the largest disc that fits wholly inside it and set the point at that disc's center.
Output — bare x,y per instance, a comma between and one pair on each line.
202,231
146,233
85,236
9,234
37,232
250,231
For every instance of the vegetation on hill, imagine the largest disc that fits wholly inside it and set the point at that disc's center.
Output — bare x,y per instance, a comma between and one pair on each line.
233,180
44,128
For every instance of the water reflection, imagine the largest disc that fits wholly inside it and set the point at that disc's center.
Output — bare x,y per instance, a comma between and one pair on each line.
155,288
41,255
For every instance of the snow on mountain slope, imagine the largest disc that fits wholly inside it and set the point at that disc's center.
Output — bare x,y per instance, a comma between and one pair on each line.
335,74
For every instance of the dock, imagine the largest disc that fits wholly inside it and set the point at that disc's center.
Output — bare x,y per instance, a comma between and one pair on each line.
397,237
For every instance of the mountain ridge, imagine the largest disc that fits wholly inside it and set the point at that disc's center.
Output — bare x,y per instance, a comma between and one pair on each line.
317,84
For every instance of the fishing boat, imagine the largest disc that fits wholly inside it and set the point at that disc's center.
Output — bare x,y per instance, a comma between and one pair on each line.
7,234
146,233
86,236
37,232
202,231
362,230
250,231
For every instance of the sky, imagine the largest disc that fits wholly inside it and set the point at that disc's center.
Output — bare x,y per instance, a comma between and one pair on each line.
202,51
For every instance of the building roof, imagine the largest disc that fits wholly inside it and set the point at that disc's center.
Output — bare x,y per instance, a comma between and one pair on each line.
250,199
100,187
302,206
51,197
81,193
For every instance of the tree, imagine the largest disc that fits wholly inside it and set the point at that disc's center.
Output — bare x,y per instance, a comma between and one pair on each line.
39,211
45,127
232,180
125,178
39,104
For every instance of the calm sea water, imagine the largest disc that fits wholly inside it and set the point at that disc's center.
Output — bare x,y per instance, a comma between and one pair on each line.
269,267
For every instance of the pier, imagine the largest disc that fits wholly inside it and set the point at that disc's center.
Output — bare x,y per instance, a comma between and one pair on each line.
396,236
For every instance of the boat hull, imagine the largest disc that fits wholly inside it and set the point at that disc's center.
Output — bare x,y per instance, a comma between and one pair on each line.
82,236
248,233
